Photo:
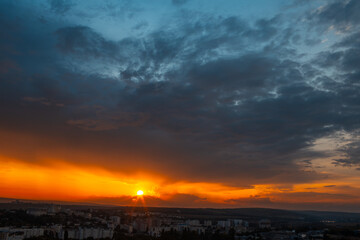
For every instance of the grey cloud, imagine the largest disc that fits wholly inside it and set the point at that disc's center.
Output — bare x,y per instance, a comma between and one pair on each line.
341,14
60,6
162,51
84,42
350,153
179,105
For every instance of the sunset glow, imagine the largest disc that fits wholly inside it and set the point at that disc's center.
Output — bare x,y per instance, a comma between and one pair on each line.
207,104
40,182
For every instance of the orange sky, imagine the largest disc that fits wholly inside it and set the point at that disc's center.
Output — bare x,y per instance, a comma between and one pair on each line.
61,181
46,169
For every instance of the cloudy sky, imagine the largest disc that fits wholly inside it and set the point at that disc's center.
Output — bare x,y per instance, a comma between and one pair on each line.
198,103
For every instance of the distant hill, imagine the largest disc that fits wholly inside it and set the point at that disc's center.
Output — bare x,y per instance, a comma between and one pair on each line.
251,214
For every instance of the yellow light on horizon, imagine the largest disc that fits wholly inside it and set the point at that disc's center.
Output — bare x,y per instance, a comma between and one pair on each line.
140,192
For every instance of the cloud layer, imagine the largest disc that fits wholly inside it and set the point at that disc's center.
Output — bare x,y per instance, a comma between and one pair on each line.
202,97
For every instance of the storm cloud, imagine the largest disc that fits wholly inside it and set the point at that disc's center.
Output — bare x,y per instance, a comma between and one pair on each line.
204,97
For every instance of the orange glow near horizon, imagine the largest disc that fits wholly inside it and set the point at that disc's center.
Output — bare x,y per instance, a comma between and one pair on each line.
67,182
61,181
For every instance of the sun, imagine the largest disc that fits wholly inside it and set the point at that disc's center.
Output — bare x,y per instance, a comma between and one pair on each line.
140,192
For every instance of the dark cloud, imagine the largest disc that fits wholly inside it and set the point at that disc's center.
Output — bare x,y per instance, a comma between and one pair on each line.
84,42
343,59
341,14
195,102
179,2
350,155
60,6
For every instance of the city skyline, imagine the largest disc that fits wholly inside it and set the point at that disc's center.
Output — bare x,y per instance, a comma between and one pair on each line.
182,103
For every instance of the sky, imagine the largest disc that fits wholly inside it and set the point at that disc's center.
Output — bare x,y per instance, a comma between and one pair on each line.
199,103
